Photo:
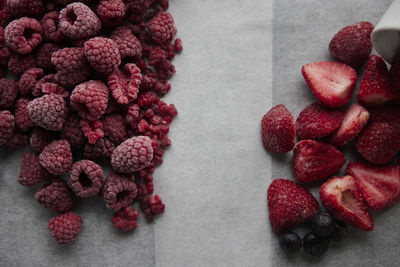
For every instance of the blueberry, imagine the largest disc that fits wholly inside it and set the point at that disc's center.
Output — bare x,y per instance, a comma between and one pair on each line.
314,245
323,224
290,242
340,231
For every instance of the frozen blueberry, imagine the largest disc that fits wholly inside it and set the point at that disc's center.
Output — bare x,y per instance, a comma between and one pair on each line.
340,231
323,224
314,245
290,242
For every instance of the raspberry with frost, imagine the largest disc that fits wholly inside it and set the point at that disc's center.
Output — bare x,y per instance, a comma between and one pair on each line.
125,219
92,152
65,227
18,63
111,12
93,130
23,35
28,8
55,195
28,80
48,111
72,132
114,128
7,125
40,138
8,93
138,6
128,44
118,191
124,84
56,157
22,120
102,54
162,28
31,172
43,56
51,30
85,178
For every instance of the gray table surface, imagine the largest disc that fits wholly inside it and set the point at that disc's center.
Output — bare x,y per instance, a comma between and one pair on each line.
239,59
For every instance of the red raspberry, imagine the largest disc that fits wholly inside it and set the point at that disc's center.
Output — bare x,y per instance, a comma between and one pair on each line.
162,28
92,152
138,6
85,178
124,84
165,70
128,44
107,147
102,54
78,21
114,128
93,130
31,172
48,111
40,138
72,132
65,227
18,64
53,88
17,141
22,120
28,80
23,35
90,99
132,155
178,45
152,206
5,14
56,157
43,56
132,116
125,219
28,8
55,195
8,93
7,125
157,55
111,12
118,191
51,30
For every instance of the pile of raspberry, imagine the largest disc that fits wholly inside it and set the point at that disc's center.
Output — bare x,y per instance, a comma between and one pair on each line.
88,78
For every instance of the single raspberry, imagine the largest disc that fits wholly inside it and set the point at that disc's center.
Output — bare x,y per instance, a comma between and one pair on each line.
111,12
23,35
90,99
8,93
17,141
51,30
125,219
93,130
72,132
65,227
128,44
5,14
132,155
124,84
48,111
85,178
55,195
7,125
132,116
178,45
152,206
118,191
107,147
18,64
28,80
56,157
53,88
31,172
102,54
165,70
78,21
114,128
138,6
162,28
92,152
28,8
22,120
44,54
157,55
40,138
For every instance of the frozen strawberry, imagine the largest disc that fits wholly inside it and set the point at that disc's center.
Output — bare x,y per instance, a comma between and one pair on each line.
341,197
379,186
313,161
352,44
316,121
354,120
289,204
277,130
379,142
332,83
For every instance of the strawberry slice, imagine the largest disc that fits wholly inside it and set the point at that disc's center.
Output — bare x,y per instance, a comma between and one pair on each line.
341,197
354,120
375,87
313,161
332,83
379,186
289,204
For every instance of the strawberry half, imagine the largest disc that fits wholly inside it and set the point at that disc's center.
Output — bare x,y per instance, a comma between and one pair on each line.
379,186
375,87
277,130
341,197
332,83
289,204
352,44
316,121
313,161
354,120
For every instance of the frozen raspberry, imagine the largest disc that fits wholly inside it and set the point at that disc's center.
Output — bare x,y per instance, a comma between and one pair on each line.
43,56
162,28
48,111
118,191
28,80
28,8
165,70
92,152
17,141
40,138
18,64
5,14
78,21
178,45
124,84
22,120
125,219
72,132
93,130
65,227
56,157
114,128
85,178
128,44
132,155
102,54
23,35
152,206
138,6
31,172
132,116
111,12
90,99
146,99
56,196
107,147
51,30
8,93
157,55
53,88
7,124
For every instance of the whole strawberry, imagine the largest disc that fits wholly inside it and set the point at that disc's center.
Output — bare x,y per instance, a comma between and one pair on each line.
65,227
